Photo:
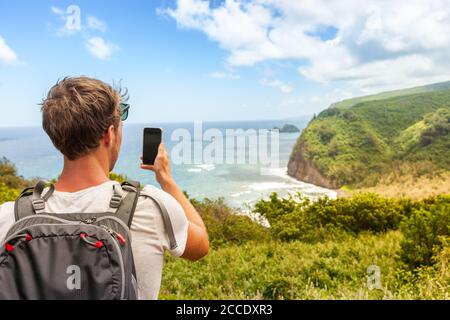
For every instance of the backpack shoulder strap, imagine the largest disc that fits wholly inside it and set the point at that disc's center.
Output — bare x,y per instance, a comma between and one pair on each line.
165,216
22,206
126,205
31,201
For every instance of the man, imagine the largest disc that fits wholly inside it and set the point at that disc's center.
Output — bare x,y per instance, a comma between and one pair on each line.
83,118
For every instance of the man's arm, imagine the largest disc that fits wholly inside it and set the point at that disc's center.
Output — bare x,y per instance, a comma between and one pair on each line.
197,245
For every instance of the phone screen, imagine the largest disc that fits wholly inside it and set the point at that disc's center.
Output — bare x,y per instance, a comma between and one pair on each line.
152,140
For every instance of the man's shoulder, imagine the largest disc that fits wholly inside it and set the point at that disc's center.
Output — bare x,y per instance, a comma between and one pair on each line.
150,196
6,212
156,194
172,220
158,198
6,207
148,191
6,218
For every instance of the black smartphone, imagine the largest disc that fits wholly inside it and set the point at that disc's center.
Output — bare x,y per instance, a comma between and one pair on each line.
152,140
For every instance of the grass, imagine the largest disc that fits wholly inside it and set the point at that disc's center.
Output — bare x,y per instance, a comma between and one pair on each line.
391,94
397,186
408,241
329,270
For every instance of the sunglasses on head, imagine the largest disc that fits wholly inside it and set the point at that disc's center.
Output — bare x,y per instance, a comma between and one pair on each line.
124,108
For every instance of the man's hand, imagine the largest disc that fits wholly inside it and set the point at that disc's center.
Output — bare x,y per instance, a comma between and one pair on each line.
161,168
197,245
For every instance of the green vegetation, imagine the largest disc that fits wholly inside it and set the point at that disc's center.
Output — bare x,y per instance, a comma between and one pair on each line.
227,227
297,218
297,270
360,141
321,250
313,250
391,94
10,183
9,177
425,224
277,270
416,181
426,231
7,193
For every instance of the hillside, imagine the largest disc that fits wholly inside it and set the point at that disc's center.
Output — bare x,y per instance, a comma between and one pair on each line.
359,142
391,94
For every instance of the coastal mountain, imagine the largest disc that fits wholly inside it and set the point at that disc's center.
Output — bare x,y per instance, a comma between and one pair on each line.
358,141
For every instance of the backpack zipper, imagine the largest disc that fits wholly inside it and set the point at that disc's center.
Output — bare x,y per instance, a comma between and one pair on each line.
124,226
122,267
89,221
114,234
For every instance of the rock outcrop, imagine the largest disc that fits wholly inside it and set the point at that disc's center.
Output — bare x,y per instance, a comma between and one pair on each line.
304,169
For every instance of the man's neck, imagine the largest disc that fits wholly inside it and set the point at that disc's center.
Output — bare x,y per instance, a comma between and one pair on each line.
82,173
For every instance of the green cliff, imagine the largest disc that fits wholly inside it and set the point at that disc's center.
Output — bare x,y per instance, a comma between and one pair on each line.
357,141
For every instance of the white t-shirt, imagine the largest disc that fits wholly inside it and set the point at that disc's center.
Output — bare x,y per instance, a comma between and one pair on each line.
149,238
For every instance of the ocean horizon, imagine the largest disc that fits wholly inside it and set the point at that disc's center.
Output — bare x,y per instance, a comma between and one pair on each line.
241,185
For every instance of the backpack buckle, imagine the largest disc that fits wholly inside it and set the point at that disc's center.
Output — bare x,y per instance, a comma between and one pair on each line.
38,205
115,201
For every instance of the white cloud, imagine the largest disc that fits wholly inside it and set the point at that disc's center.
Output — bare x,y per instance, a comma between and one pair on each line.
57,11
380,44
97,46
285,88
7,55
224,75
101,48
95,23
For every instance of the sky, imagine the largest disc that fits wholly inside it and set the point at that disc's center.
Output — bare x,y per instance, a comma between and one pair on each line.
220,60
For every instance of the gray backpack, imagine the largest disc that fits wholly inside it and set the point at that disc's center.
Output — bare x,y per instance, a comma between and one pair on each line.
77,256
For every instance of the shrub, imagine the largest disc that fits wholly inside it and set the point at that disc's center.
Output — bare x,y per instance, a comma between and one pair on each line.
363,212
425,232
333,149
438,124
225,226
7,194
9,177
426,282
350,116
278,288
117,177
330,112
297,218
326,134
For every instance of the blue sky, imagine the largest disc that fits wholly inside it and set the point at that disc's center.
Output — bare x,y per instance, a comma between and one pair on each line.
220,60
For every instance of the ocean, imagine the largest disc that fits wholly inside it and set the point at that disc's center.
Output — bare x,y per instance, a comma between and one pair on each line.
240,185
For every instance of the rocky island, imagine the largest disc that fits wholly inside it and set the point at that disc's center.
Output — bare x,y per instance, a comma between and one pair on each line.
287,128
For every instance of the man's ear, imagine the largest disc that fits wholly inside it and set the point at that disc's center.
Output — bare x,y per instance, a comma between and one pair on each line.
110,136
